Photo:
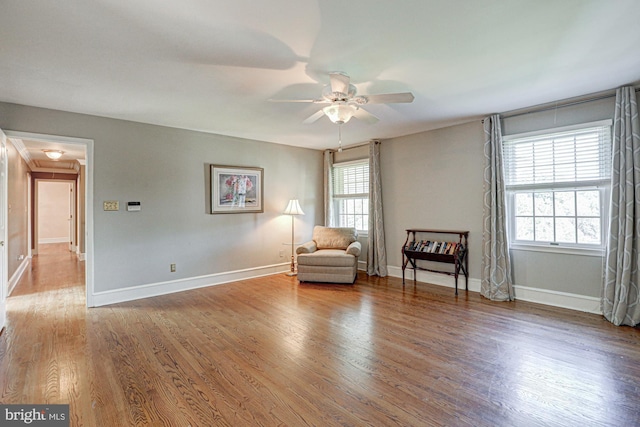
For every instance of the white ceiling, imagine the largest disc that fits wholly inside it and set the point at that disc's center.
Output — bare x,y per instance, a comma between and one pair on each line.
213,65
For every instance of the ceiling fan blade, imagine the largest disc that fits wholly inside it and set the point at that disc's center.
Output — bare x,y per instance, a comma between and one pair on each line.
303,101
339,82
389,98
365,116
291,100
312,118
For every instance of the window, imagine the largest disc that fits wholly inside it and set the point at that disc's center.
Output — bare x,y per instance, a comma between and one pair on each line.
557,184
351,195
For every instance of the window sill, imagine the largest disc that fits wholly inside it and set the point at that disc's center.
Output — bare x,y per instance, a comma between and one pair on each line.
567,250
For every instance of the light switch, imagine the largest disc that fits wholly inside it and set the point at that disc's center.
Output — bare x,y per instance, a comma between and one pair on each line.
111,205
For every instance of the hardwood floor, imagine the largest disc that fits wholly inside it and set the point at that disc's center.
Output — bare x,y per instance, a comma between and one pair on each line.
270,351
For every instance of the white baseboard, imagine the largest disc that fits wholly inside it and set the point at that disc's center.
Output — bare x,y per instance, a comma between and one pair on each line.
169,287
523,293
81,256
558,299
15,278
46,240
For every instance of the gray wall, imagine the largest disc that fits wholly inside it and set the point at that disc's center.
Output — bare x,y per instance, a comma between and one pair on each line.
434,180
167,170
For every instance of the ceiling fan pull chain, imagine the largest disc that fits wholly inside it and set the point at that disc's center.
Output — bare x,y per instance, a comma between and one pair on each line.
339,138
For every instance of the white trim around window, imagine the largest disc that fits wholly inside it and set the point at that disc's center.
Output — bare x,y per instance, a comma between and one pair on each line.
557,185
351,195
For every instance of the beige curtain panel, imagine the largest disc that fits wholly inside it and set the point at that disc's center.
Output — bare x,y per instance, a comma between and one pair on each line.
376,252
620,298
496,283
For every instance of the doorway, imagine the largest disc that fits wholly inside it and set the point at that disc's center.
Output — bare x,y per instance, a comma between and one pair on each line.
79,200
55,213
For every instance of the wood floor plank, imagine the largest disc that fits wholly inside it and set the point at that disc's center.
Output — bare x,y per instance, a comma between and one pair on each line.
270,351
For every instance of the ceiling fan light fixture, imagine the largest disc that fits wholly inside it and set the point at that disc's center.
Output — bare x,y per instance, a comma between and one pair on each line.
53,154
340,113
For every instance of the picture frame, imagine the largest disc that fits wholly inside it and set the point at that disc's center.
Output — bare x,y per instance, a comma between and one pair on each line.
236,189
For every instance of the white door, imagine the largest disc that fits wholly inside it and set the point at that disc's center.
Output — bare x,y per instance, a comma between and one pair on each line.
3,230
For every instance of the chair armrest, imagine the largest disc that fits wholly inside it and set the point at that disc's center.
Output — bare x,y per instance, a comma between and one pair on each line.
307,248
354,249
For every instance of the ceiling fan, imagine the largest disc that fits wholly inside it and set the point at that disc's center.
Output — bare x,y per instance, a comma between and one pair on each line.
343,102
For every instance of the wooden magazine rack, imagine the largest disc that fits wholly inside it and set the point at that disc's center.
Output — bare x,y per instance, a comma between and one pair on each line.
415,250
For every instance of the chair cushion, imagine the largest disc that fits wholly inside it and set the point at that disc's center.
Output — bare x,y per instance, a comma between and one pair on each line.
327,257
334,237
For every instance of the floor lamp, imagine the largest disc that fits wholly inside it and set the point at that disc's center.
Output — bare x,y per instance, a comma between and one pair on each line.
293,208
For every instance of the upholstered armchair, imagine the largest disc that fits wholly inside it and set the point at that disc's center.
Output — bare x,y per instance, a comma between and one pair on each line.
331,257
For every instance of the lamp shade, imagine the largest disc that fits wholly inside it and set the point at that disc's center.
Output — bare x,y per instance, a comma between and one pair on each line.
339,113
293,208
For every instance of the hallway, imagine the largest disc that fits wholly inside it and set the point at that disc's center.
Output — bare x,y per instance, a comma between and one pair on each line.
43,325
54,269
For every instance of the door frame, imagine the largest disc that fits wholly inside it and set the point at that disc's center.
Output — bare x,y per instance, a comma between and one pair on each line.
4,214
36,206
88,202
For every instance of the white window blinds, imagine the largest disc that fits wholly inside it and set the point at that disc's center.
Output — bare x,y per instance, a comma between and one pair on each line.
571,156
351,195
351,180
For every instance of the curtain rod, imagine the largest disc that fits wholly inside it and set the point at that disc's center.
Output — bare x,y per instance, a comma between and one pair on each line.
377,141
541,109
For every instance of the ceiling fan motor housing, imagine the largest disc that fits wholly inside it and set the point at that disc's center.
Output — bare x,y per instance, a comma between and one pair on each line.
332,96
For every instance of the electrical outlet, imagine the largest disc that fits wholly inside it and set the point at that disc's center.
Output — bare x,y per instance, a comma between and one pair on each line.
111,205
281,253
173,268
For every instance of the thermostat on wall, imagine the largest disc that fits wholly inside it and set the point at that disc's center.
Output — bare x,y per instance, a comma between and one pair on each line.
133,206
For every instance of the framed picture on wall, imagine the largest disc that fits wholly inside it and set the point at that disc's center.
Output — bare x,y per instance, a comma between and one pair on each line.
236,189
